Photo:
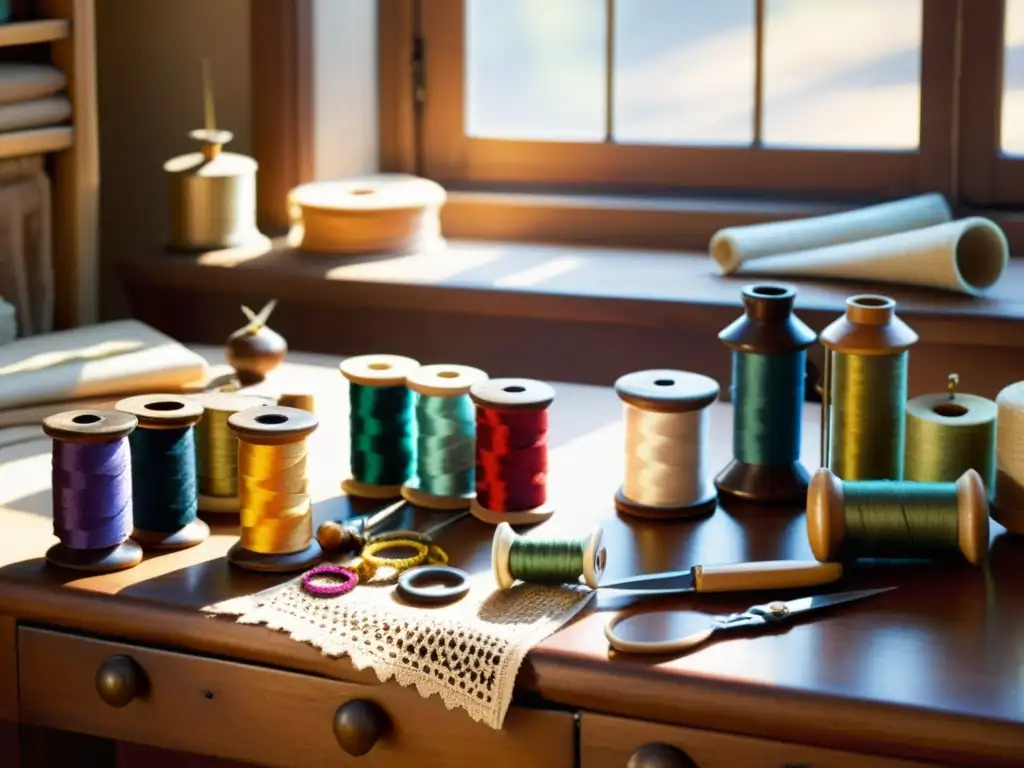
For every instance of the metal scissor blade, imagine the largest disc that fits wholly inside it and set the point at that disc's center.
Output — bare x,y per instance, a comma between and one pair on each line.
804,604
670,583
432,531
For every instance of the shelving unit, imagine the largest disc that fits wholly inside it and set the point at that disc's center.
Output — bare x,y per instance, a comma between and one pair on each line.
68,27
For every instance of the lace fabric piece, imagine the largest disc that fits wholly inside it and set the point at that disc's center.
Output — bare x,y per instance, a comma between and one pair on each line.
467,653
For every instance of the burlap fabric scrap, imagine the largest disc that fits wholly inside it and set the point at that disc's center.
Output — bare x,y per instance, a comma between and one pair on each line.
467,653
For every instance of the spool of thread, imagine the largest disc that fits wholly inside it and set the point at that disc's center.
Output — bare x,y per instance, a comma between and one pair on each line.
382,425
445,437
305,401
92,491
949,433
275,507
511,451
546,561
667,423
385,213
164,482
889,519
217,449
1009,487
769,367
864,396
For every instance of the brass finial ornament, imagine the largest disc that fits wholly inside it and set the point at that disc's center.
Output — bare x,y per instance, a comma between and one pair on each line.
254,350
952,382
212,192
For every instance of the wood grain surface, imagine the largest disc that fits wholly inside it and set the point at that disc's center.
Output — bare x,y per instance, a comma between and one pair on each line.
928,672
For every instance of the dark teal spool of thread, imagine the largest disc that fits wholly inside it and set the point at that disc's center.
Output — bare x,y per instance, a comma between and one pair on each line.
165,487
769,345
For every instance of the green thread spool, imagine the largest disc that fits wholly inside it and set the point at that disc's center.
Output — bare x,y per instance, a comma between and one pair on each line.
897,519
382,425
217,449
546,561
445,474
949,433
769,367
864,394
164,482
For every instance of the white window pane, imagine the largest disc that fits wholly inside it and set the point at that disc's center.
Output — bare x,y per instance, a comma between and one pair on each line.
684,71
1013,80
535,69
843,73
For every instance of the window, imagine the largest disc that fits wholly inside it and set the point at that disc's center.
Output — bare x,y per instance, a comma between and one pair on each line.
832,98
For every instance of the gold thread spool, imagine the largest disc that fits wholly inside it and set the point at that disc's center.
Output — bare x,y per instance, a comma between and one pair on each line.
275,509
384,213
866,353
1008,509
217,449
826,516
949,433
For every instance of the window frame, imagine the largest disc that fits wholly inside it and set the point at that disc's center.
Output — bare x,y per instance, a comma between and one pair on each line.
446,154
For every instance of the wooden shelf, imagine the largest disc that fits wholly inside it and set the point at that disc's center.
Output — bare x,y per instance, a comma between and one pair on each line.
36,141
37,31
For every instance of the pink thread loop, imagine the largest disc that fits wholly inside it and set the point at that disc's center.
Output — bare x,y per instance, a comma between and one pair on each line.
334,588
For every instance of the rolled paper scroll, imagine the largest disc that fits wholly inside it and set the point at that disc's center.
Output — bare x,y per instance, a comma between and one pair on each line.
967,256
734,246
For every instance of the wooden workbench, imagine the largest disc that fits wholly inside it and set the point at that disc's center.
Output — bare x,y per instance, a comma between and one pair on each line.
927,675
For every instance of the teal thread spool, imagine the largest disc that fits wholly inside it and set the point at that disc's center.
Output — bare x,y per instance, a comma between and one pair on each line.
897,519
546,561
445,476
164,481
769,364
382,425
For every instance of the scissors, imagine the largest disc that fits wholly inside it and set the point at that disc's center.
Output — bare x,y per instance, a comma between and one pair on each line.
737,577
680,631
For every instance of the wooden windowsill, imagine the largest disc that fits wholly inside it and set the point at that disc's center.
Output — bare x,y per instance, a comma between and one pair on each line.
638,289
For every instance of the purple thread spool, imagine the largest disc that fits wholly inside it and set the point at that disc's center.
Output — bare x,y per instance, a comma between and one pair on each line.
92,490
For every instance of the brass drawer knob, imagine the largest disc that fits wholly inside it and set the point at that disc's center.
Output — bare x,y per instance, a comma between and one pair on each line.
358,724
119,680
659,756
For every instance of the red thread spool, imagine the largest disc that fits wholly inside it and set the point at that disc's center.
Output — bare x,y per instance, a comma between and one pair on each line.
511,451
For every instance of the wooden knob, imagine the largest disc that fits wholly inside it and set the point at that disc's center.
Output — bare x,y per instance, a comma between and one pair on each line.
119,680
358,724
659,756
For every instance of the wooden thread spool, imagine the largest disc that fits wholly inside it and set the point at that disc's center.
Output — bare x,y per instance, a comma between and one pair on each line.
379,378
217,449
512,451
1009,487
164,413
546,561
385,213
277,522
830,534
769,346
667,422
92,428
949,433
452,463
864,393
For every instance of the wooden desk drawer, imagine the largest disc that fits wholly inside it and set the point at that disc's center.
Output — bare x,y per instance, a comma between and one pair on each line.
610,742
265,716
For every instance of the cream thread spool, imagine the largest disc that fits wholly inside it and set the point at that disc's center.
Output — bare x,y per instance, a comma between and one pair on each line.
384,213
667,421
1009,496
949,433
457,452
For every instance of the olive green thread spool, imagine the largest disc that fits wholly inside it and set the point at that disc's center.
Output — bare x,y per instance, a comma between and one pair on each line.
769,346
217,450
949,433
546,561
1009,486
864,393
897,519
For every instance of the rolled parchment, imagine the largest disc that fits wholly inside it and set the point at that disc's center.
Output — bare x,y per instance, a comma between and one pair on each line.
734,246
966,256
